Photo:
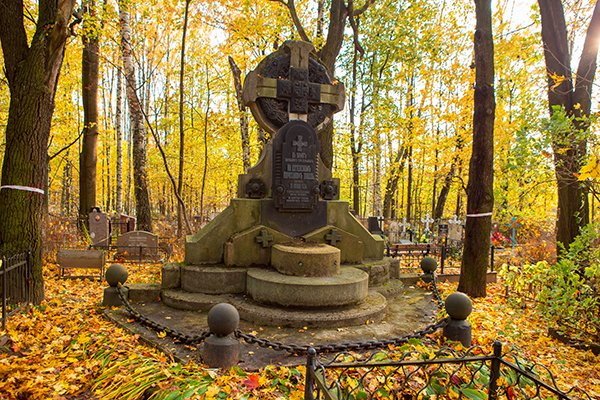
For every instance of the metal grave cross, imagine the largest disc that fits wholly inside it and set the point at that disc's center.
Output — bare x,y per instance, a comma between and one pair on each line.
333,237
264,239
404,225
427,220
454,220
297,90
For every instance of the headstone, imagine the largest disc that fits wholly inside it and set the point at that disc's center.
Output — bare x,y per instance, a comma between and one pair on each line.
374,226
126,223
443,231
455,229
394,231
99,227
137,245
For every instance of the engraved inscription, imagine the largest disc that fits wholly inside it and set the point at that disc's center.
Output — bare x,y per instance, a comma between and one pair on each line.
295,184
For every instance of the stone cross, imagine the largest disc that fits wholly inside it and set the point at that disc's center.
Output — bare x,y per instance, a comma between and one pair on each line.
264,239
333,237
297,90
427,220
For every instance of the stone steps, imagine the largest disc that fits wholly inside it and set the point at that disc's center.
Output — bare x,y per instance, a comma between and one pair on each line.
371,309
350,286
183,300
213,279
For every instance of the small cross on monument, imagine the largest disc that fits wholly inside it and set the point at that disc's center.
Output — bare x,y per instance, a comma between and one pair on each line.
299,143
333,237
264,239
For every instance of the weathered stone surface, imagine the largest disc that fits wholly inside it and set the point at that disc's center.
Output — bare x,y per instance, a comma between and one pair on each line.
252,247
171,275
349,287
395,268
98,227
213,279
371,309
111,297
351,247
221,352
306,259
144,292
206,246
182,300
379,271
339,216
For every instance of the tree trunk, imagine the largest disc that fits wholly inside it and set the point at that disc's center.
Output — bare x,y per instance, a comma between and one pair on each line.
66,192
140,140
391,186
569,147
480,194
180,210
206,114
441,201
237,83
32,73
119,144
89,96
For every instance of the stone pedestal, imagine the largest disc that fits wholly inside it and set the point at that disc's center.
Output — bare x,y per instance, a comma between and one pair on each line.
306,259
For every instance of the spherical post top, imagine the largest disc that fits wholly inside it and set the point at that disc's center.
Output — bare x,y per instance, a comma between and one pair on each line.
428,265
458,306
116,274
223,319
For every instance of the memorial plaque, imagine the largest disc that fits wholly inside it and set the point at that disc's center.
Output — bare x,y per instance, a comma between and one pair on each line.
295,184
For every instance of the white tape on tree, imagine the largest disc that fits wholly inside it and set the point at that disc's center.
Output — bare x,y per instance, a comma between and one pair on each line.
487,214
24,188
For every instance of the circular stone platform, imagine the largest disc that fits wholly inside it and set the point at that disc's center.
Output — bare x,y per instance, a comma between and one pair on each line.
350,286
306,259
372,309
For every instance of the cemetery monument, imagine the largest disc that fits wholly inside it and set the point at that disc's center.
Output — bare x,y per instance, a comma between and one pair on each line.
286,251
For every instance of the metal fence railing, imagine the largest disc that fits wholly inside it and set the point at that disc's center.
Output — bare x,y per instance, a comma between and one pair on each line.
16,282
447,373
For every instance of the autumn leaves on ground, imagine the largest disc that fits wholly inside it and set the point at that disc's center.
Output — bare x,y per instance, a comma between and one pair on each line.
66,349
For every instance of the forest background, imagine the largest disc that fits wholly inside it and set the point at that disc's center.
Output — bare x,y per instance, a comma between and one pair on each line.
401,146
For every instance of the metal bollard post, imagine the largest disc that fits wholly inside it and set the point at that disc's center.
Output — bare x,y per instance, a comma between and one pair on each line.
492,251
221,348
495,371
428,265
458,306
310,370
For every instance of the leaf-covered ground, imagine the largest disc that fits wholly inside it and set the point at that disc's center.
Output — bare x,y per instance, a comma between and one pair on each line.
65,349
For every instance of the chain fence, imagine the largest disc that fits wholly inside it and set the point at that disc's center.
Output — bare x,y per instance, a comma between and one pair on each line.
292,348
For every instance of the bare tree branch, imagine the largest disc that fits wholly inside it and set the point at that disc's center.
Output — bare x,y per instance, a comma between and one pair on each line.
65,148
292,8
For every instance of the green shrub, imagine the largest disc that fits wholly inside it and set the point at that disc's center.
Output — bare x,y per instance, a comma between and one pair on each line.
568,292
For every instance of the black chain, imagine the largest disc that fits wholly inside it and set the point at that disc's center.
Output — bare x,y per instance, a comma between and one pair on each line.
188,339
294,348
339,347
436,293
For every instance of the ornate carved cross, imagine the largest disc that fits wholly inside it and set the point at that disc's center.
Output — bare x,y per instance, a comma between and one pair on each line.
297,89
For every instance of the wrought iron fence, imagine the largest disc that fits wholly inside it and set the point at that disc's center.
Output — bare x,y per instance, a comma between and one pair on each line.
17,282
418,374
410,255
